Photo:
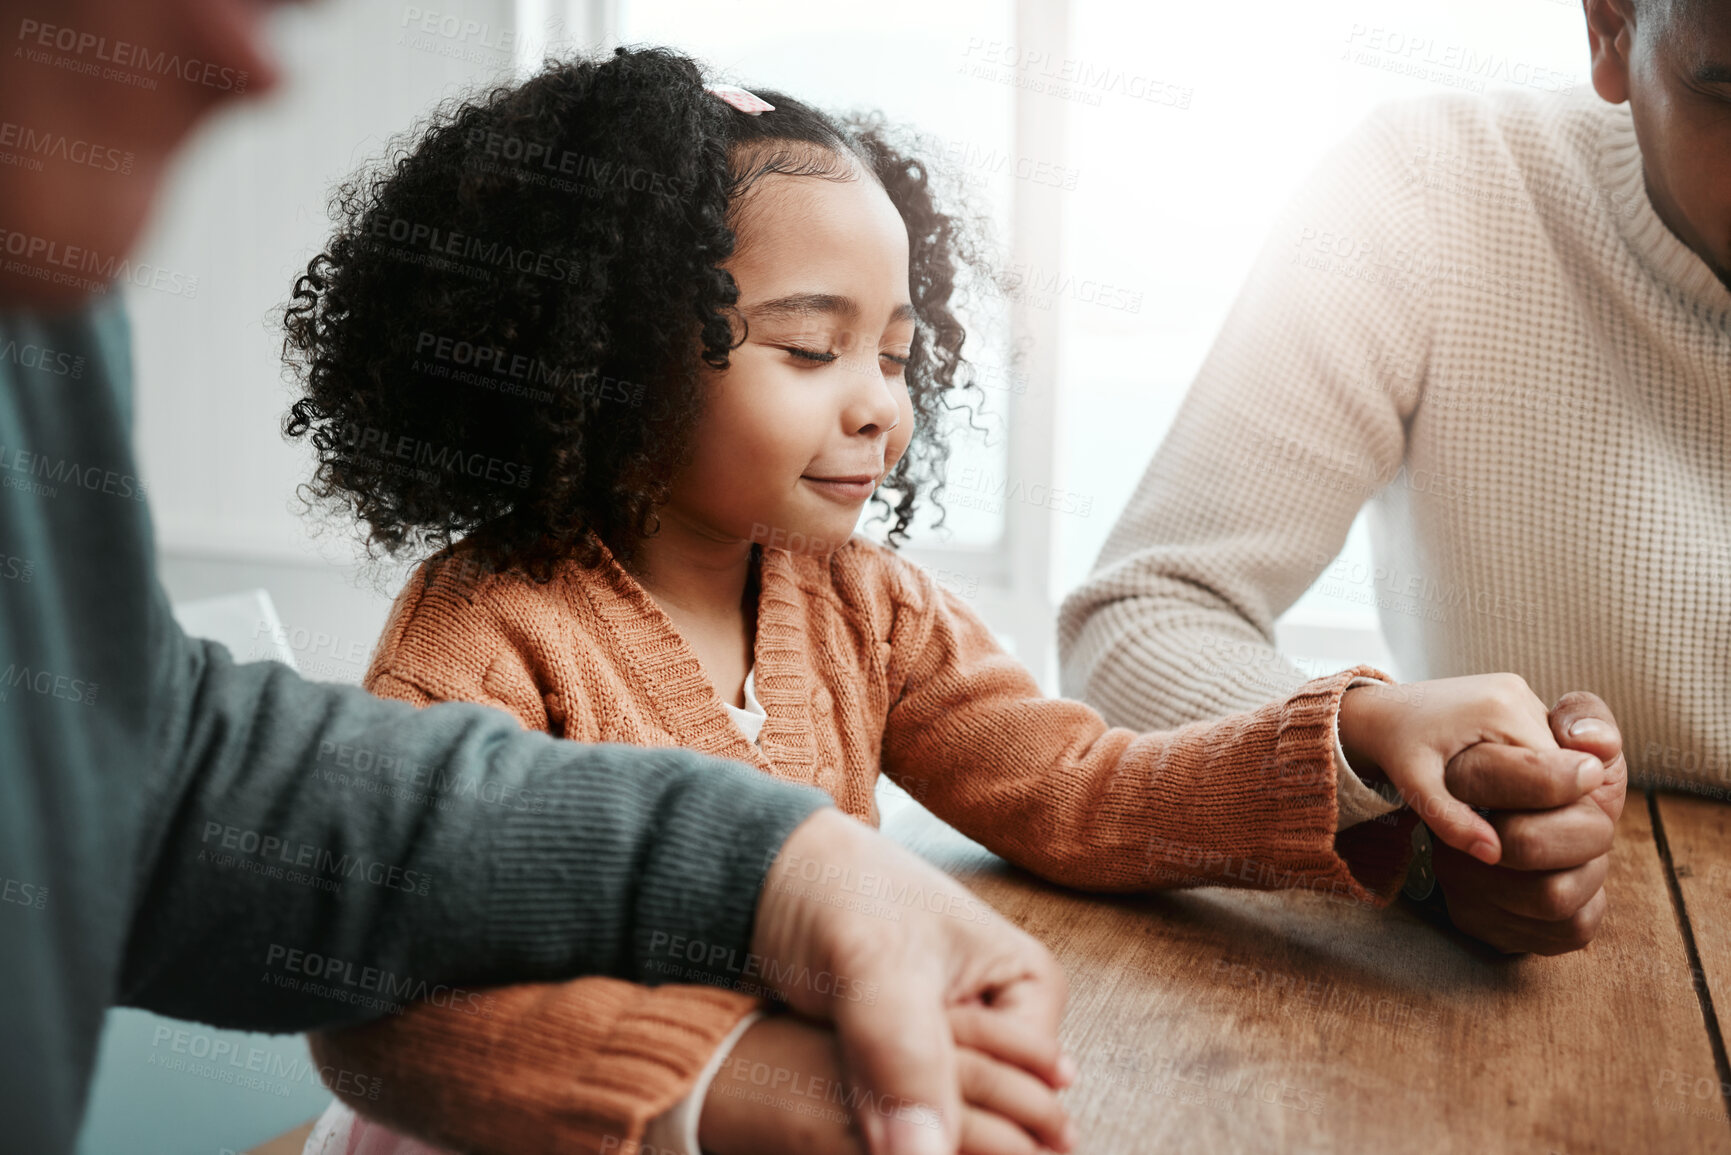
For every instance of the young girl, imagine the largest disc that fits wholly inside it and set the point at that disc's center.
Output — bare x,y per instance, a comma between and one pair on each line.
633,354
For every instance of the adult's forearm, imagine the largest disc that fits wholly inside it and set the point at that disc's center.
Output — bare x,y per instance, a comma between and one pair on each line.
1159,659
322,856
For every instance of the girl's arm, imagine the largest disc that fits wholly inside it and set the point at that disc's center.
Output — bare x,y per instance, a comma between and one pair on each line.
1246,801
560,1068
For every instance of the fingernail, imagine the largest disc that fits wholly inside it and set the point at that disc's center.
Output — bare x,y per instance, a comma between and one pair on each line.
1070,1136
1589,728
1590,774
1485,851
1067,1070
904,1136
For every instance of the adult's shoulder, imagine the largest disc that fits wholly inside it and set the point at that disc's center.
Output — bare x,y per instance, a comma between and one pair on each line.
1523,128
1484,164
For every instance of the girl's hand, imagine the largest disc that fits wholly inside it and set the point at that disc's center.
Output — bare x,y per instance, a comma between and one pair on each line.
781,1093
1410,733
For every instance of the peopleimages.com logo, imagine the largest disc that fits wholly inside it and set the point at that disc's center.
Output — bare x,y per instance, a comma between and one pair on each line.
88,53
38,144
49,260
436,458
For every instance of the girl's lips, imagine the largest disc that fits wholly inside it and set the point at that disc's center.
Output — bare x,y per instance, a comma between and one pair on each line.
849,490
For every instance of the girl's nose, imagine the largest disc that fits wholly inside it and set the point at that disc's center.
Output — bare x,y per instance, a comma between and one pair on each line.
872,405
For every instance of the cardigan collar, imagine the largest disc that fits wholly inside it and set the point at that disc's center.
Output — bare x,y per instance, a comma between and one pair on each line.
668,674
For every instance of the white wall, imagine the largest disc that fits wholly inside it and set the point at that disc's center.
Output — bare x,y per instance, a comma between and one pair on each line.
244,211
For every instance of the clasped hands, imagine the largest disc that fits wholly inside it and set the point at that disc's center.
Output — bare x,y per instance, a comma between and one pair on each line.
1530,875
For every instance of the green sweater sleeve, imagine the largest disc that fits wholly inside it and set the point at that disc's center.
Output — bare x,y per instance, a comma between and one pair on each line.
310,852
233,844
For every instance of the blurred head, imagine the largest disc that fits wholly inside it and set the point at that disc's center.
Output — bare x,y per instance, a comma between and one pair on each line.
603,299
125,78
1671,60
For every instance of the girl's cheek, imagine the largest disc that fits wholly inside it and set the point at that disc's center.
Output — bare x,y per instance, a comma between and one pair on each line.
893,451
904,434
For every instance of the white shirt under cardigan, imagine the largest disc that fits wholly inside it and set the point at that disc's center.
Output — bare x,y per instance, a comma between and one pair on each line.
1473,313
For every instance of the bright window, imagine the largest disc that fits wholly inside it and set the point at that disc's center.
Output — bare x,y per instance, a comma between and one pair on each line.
1153,145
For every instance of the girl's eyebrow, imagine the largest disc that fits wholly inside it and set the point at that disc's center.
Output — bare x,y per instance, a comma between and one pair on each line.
818,304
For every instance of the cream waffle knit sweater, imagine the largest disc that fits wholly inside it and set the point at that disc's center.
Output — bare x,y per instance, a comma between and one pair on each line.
1473,319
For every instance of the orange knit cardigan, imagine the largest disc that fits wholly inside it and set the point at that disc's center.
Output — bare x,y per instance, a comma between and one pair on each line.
863,663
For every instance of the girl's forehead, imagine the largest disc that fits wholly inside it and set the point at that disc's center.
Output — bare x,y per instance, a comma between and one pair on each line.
768,168
795,218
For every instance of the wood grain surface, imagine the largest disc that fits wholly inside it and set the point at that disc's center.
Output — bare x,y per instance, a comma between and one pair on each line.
1226,1021
1697,834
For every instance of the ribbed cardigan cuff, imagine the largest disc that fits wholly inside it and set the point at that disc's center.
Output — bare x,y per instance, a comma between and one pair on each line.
652,1058
692,886
1365,864
1286,838
553,1068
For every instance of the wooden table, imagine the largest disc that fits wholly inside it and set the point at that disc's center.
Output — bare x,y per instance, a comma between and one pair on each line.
1228,1021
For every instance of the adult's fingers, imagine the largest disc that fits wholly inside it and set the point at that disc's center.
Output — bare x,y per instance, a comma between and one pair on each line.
1545,895
1582,721
1476,893
1015,1096
1555,895
1516,934
1451,821
903,1054
1503,777
989,1133
888,984
1037,998
1558,839
1011,1039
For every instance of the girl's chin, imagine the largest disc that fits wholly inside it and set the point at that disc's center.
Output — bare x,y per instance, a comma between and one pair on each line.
810,538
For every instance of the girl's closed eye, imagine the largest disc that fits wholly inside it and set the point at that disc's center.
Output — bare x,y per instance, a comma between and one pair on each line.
821,357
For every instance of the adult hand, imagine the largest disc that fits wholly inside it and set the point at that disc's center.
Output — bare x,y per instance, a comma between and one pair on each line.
860,932
782,1091
1547,894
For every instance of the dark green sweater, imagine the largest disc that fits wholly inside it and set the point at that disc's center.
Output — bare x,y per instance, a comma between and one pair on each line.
188,835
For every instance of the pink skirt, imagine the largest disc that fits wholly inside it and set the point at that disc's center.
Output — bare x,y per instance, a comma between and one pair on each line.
340,1131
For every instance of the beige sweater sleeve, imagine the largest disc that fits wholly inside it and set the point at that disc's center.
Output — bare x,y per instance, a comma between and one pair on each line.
1296,418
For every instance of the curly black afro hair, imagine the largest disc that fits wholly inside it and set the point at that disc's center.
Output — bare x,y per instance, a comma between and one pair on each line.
504,338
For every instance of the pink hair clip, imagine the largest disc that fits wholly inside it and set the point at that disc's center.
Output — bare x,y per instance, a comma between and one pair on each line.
747,102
